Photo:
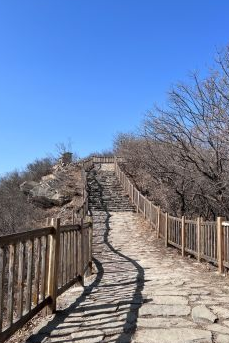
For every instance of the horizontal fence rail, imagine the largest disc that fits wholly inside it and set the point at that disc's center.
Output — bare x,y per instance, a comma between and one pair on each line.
39,265
204,240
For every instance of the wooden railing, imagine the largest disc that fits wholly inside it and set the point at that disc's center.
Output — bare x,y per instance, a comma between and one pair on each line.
103,159
204,240
89,162
37,266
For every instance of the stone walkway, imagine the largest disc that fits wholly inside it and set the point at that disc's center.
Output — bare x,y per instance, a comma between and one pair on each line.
142,293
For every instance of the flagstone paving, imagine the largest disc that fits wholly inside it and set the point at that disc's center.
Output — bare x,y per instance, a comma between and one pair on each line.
141,292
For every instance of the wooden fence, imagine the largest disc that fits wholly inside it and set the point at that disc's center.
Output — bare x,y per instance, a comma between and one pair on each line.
89,162
37,266
205,240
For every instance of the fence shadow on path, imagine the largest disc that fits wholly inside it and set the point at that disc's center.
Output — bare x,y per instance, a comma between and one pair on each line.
107,310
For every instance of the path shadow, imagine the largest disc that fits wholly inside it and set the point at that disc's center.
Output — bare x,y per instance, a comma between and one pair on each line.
81,317
137,298
62,315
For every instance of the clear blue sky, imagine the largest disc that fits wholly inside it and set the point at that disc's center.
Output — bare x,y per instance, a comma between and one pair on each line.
87,69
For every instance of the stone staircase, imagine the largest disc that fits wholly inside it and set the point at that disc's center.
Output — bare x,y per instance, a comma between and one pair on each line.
105,192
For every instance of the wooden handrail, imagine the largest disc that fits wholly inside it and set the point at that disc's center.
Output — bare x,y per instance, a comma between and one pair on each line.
194,236
38,265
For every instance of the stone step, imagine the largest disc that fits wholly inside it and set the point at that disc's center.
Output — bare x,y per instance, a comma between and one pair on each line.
106,193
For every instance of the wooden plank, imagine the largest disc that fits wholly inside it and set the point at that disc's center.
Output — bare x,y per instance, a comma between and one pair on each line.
24,236
54,264
2,279
158,220
20,283
166,228
66,228
144,207
68,257
10,295
209,259
138,200
215,246
174,244
61,261
28,296
64,258
80,255
90,245
198,239
74,255
220,257
37,272
43,266
85,250
183,236
191,252
71,255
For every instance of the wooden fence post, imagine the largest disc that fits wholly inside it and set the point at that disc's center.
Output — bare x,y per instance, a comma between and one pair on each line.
138,202
198,239
220,244
90,244
144,208
158,221
48,221
54,264
166,228
183,236
82,252
78,248
151,221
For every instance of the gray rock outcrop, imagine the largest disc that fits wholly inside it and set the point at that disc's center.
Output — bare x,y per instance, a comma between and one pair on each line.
54,189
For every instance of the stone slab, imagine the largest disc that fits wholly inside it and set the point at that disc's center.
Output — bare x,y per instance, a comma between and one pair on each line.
222,339
221,312
201,314
88,336
164,310
153,323
178,335
170,300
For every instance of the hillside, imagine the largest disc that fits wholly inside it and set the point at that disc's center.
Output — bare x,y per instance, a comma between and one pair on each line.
30,197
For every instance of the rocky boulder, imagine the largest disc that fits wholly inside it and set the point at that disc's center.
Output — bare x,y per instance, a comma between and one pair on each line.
47,196
54,189
27,186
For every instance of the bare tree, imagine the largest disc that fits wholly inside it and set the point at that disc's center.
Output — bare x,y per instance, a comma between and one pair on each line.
183,149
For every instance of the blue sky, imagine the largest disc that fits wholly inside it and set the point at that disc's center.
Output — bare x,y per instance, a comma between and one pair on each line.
87,69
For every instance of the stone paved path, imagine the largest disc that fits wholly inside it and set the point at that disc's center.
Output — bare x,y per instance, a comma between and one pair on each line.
142,292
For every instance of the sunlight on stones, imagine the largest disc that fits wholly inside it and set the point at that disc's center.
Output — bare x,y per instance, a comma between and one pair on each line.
141,292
